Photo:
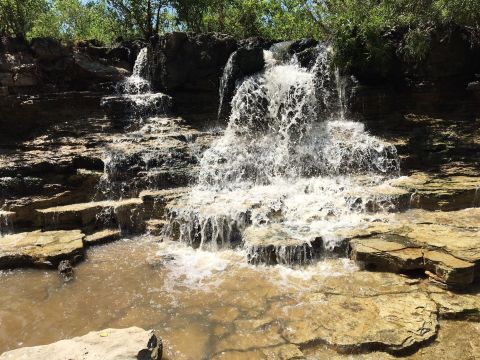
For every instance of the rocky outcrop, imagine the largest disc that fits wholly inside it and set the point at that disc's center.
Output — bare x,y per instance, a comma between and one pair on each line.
188,67
109,344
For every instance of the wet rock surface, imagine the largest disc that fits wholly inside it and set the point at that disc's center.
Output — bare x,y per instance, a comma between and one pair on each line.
115,344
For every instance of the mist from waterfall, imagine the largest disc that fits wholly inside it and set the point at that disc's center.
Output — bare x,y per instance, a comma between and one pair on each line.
289,156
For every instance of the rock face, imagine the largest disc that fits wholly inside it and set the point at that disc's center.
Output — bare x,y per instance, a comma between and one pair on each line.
188,67
110,344
37,79
40,248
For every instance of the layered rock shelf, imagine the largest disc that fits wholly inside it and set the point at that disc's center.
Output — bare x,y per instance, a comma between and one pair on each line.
41,248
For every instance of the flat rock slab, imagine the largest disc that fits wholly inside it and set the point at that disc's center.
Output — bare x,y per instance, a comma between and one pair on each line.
40,248
394,256
102,237
110,344
344,321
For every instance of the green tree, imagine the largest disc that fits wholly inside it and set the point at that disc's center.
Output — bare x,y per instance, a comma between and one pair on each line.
18,16
73,20
142,16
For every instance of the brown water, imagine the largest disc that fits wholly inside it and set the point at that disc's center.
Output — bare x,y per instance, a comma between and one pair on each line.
201,303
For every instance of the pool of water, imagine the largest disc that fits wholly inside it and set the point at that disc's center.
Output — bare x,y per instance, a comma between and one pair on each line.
201,303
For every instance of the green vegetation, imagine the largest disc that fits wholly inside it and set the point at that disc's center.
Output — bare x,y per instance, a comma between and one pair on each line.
365,33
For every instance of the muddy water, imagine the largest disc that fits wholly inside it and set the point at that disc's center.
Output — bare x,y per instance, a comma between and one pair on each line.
197,301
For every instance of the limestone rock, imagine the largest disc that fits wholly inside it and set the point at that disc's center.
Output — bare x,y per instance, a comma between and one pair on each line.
272,245
436,192
40,248
155,226
102,237
362,313
110,344
457,305
395,256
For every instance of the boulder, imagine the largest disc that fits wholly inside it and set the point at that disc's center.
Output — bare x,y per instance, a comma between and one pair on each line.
110,344
243,62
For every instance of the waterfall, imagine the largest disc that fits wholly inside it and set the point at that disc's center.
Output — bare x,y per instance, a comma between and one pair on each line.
290,157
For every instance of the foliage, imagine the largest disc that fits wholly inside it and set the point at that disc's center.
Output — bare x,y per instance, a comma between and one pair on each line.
72,20
18,16
366,34
145,17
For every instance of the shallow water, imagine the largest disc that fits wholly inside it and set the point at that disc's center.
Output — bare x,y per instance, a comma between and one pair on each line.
201,303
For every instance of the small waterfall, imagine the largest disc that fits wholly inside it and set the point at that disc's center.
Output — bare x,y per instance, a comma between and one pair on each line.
136,84
135,96
6,223
288,156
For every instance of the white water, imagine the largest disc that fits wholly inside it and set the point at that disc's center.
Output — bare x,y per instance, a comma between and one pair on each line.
288,157
136,84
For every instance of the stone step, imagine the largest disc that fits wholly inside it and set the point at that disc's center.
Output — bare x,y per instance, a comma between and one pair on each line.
272,244
127,214
102,237
38,248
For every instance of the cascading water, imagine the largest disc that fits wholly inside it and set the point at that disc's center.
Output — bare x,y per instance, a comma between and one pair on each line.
288,158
